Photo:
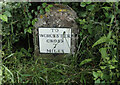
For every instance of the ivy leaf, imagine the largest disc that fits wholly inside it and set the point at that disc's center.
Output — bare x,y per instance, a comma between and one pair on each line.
47,9
88,2
4,17
25,30
34,20
95,74
29,30
44,5
83,4
41,11
36,13
7,13
50,6
38,8
32,11
90,7
97,81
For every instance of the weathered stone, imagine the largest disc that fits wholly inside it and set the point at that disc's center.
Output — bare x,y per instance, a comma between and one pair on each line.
60,16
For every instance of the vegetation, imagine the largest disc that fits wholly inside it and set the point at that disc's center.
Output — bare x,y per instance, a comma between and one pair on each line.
97,58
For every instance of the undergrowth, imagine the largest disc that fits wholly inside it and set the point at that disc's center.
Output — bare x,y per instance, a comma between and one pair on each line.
97,58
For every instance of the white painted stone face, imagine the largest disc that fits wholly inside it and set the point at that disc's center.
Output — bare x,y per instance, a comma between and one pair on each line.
54,40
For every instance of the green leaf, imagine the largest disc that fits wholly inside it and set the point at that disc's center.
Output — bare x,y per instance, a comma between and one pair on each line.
114,59
112,67
32,11
102,67
88,2
95,74
109,34
83,4
90,7
44,5
97,81
50,6
7,13
34,20
25,75
111,42
82,21
101,40
36,13
25,30
4,17
106,14
85,26
29,30
83,14
42,11
85,61
106,8
103,82
90,30
105,39
112,19
38,8
47,9
103,52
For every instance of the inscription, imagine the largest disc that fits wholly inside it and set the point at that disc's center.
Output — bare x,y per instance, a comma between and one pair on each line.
55,50
54,40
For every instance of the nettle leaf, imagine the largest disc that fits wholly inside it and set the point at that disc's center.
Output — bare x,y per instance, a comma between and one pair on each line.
106,14
4,17
106,8
85,61
97,81
112,67
112,19
101,40
103,52
114,59
111,42
109,34
103,67
105,39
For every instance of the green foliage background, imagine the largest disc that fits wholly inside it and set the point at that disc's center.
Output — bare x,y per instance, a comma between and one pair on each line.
97,58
